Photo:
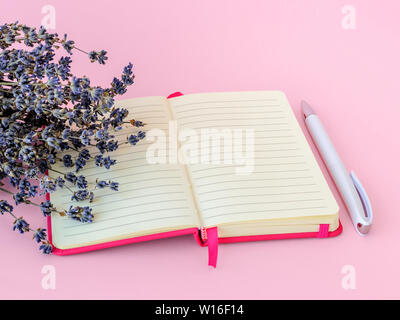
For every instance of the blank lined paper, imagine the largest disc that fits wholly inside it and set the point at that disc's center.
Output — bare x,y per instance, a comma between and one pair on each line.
286,181
151,198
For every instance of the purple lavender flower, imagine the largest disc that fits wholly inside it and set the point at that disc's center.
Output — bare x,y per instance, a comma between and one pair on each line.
20,197
95,94
118,86
60,182
5,207
47,185
81,195
81,182
112,145
76,86
127,76
82,214
68,44
43,166
139,124
46,248
101,184
84,154
108,162
102,146
40,235
46,208
67,160
79,164
24,184
21,225
99,160
99,56
87,215
73,212
64,68
32,191
85,137
70,177
134,139
114,186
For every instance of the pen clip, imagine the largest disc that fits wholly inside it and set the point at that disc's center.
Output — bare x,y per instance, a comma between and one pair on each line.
363,228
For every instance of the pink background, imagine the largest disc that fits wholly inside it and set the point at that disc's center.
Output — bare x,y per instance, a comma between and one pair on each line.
300,47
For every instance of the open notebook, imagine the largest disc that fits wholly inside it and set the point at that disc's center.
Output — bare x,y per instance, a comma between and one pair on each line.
283,195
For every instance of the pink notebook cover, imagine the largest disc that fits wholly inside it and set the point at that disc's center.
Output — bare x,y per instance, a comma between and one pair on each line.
204,237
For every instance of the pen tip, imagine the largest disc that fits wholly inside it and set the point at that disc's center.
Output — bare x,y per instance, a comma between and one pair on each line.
307,110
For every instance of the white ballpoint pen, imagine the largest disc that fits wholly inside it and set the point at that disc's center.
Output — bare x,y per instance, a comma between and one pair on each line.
350,188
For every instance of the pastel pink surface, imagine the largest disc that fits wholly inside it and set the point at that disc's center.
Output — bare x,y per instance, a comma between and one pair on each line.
350,77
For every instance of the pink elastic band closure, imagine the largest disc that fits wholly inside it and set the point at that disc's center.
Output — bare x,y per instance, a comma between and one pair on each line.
212,241
323,231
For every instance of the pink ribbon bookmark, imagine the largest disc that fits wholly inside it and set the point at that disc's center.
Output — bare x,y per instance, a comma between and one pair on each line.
323,231
212,242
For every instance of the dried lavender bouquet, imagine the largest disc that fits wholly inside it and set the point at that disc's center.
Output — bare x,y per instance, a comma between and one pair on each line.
45,113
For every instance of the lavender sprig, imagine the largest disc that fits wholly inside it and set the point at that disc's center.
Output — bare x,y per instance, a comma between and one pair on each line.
47,115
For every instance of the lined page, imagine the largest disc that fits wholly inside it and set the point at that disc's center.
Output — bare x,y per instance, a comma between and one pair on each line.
286,181
152,198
